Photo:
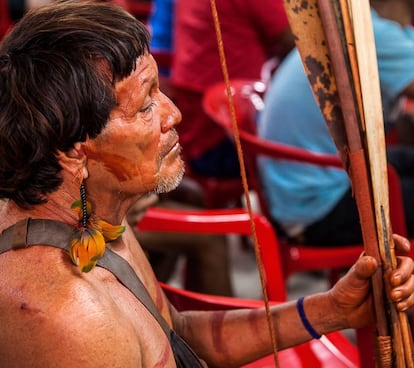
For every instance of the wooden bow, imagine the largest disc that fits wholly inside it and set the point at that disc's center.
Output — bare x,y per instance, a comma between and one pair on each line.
336,43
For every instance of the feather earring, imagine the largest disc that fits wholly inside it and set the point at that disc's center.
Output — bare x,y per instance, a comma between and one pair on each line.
87,244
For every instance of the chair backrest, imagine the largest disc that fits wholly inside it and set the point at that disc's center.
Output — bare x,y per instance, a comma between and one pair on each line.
255,146
247,99
295,256
224,221
333,350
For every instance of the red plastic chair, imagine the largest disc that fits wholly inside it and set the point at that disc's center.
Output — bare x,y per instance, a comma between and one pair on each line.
247,99
224,221
296,257
228,221
218,192
333,350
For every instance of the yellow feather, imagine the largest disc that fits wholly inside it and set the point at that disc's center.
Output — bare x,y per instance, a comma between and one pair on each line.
86,247
109,231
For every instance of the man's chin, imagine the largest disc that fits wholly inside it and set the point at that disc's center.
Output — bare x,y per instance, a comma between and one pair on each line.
169,183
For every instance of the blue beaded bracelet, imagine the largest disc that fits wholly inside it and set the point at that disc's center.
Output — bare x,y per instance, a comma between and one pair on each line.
305,322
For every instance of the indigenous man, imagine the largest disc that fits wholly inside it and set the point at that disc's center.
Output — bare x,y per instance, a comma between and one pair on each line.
84,133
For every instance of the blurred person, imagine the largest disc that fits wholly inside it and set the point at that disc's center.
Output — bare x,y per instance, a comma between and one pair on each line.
315,205
161,26
253,32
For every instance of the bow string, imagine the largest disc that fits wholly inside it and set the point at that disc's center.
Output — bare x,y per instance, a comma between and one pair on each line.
244,178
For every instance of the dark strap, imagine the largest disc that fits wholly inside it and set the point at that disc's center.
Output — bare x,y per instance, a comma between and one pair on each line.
58,234
39,232
21,235
127,276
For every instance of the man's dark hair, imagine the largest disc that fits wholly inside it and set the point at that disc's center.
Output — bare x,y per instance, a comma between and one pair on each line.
58,69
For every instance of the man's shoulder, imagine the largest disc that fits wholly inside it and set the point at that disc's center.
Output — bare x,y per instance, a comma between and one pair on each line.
46,288
49,313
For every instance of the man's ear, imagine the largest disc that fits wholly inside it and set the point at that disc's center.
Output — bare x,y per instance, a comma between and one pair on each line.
74,160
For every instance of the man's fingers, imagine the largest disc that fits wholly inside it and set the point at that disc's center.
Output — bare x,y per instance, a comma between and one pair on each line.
365,267
402,295
403,272
402,244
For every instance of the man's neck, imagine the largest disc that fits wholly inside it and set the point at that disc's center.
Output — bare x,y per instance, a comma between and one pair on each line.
58,207
106,206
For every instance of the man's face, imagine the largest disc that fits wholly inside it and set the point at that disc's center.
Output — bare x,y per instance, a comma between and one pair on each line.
138,151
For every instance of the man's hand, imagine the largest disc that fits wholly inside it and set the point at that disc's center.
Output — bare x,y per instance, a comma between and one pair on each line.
352,295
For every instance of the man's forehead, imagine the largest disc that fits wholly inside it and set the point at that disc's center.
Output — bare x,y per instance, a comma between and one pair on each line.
131,92
141,78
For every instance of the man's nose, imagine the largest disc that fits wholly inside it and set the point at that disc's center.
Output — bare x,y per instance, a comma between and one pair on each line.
173,117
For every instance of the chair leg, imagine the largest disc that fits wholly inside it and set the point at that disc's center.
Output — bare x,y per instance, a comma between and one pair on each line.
366,346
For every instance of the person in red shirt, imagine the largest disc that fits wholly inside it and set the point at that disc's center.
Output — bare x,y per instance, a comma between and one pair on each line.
253,32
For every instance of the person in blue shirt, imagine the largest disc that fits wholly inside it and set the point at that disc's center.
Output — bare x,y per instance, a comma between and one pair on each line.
312,204
161,25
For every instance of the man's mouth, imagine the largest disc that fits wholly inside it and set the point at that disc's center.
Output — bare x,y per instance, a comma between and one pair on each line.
175,148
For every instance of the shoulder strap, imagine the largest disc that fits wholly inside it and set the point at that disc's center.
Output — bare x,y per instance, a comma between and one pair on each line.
127,276
183,354
58,234
47,232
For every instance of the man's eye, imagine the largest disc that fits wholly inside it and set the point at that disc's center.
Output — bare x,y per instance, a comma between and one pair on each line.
147,108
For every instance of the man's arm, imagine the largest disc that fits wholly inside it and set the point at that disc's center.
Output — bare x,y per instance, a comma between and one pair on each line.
234,338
